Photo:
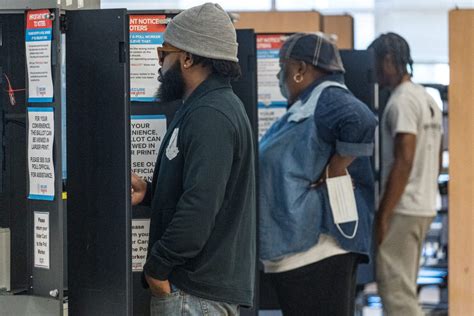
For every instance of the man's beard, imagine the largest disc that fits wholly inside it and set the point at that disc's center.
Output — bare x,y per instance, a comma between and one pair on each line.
172,84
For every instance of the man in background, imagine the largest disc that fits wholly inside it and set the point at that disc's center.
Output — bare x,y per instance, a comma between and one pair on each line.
411,133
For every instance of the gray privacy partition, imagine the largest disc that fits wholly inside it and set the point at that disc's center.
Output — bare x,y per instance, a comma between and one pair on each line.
98,124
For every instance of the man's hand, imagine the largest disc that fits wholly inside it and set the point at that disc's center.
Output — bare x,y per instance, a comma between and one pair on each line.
138,189
157,287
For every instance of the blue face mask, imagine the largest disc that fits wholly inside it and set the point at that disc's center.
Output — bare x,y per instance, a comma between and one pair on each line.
281,82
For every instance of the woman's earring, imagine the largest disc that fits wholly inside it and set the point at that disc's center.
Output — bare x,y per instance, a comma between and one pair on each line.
298,78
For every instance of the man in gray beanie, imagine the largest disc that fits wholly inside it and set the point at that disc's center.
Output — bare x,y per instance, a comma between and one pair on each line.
201,255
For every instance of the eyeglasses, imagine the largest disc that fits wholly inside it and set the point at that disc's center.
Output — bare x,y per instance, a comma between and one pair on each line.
165,51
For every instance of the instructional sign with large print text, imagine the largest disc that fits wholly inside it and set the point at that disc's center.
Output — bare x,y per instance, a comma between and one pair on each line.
40,153
147,134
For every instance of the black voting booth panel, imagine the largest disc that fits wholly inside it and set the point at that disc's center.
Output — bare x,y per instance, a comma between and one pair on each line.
13,168
16,211
246,89
246,86
98,123
360,76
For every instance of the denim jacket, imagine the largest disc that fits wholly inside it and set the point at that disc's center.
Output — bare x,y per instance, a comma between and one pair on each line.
294,153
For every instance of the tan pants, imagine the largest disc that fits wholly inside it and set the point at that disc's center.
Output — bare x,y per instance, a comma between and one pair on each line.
397,264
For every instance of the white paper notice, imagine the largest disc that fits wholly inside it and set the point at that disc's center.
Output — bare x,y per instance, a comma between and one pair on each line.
40,153
39,32
146,35
140,235
271,103
41,237
267,115
147,134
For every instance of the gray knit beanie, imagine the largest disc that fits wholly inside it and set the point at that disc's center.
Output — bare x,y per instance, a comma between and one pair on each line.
206,31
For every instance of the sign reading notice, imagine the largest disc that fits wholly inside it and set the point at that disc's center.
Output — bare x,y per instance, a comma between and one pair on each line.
140,235
40,153
146,34
147,133
271,103
39,32
41,237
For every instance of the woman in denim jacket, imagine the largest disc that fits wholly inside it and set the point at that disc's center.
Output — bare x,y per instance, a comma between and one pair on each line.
325,133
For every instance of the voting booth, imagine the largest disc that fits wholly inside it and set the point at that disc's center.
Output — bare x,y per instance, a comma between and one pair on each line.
33,209
79,112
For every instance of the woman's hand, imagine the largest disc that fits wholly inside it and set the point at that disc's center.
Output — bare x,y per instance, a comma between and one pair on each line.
333,170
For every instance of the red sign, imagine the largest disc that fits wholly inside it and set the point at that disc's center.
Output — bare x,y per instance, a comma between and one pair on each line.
38,19
148,23
270,41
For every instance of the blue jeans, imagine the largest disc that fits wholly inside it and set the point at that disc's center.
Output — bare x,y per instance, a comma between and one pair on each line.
179,303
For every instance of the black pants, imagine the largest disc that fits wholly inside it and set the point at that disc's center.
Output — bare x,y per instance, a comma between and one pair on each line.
325,288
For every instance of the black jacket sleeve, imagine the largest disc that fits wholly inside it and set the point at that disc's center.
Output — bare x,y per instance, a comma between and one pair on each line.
207,141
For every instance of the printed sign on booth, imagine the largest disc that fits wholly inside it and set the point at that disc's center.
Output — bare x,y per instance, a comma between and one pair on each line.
146,35
41,239
271,103
39,32
140,236
147,133
40,153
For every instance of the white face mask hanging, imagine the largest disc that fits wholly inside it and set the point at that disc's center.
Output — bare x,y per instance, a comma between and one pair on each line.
342,200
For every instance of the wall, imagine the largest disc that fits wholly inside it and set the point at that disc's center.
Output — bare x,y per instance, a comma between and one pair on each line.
343,27
280,22
461,152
